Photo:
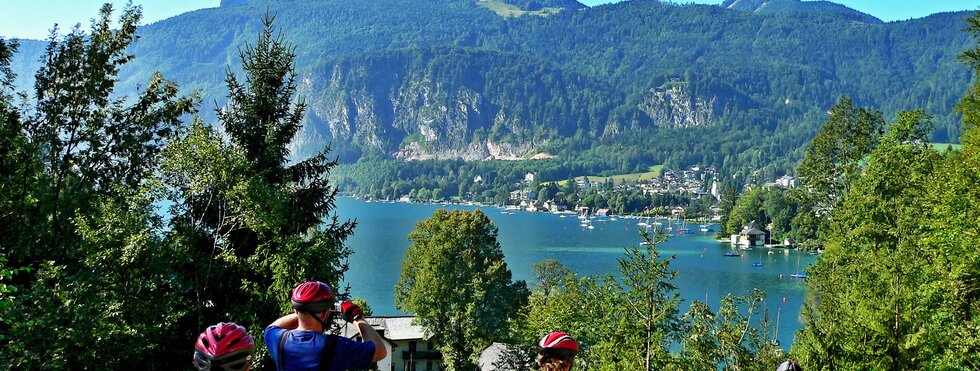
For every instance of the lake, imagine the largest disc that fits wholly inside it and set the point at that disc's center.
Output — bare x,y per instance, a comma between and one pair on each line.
381,238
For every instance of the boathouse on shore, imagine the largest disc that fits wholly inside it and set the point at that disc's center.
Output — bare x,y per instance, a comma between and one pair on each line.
749,236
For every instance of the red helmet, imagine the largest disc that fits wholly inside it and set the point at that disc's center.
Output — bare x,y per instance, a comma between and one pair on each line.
313,296
225,346
558,340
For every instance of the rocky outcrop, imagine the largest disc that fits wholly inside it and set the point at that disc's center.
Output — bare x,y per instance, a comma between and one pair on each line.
672,106
405,106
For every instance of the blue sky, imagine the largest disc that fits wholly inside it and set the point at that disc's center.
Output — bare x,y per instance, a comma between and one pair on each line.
33,18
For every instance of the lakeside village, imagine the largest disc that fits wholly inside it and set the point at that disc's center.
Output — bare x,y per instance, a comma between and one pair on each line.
686,196
684,200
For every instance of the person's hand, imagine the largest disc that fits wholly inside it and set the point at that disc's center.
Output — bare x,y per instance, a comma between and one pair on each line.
350,311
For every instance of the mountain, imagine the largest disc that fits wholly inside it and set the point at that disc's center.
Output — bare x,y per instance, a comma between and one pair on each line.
798,6
441,79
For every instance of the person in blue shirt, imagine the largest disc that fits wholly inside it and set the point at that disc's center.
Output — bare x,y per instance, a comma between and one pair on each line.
297,341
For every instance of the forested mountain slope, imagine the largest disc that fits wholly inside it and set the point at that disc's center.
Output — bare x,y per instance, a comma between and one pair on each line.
451,79
798,6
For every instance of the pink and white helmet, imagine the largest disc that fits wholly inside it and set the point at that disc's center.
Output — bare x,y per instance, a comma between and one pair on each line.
225,346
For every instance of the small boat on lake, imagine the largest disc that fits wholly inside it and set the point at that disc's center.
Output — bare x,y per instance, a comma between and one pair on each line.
732,254
799,273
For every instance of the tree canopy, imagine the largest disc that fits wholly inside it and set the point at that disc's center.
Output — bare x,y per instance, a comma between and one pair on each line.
454,279
127,231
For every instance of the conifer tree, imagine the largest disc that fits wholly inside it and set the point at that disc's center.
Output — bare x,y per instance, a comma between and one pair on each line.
257,222
833,161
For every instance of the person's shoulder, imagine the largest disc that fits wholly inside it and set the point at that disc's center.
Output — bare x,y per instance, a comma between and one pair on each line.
271,333
273,328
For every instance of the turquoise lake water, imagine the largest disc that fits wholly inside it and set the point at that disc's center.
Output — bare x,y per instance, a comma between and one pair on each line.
381,238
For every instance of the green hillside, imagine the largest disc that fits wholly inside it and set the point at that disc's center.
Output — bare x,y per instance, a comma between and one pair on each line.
654,172
504,9
641,80
798,6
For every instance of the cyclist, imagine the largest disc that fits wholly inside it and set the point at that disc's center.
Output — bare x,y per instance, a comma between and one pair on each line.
297,341
556,352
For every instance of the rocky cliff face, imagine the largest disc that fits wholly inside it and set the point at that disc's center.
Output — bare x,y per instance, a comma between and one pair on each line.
407,116
673,106
407,107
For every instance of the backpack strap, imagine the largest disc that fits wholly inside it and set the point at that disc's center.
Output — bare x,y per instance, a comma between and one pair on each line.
328,350
281,360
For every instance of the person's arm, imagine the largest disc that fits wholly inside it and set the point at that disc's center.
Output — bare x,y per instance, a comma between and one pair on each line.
369,334
288,322
352,313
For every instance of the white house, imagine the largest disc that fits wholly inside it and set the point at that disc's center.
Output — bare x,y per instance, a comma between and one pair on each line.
555,206
408,347
522,194
786,181
529,178
677,212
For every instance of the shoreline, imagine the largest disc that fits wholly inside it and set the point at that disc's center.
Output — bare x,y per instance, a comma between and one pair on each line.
512,208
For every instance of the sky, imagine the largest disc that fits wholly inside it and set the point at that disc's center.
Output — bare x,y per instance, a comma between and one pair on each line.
33,18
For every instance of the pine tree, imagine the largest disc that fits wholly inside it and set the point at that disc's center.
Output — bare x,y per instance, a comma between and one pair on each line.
256,222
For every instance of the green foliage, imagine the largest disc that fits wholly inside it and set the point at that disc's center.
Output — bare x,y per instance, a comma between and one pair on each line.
89,267
652,300
76,212
549,274
770,208
577,78
253,221
834,160
876,294
897,287
729,340
633,322
455,280
730,191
